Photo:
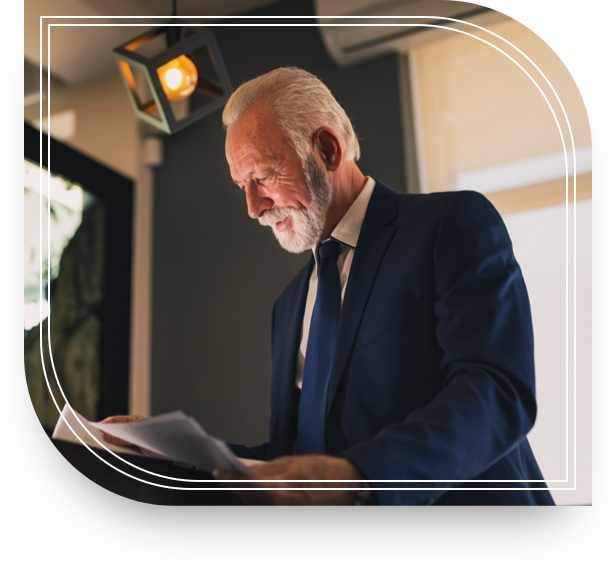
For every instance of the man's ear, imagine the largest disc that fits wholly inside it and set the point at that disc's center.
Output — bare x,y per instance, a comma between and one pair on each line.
328,148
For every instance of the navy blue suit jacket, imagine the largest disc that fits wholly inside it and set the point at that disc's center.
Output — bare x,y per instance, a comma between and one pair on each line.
433,372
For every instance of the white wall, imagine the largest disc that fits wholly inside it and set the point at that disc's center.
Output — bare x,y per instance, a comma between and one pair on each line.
106,127
479,110
482,124
539,244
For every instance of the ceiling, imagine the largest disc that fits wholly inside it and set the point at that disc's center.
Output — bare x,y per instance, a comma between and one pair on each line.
81,53
184,7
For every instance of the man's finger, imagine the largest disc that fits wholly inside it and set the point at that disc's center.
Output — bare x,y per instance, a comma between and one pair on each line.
226,475
264,497
278,469
121,419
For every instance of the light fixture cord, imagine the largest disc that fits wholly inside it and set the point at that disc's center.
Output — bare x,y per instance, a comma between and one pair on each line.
174,33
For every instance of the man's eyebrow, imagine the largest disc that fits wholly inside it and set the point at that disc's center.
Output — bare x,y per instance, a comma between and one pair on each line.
249,173
269,171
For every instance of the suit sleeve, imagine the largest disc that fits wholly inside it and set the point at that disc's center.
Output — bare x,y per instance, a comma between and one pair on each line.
486,405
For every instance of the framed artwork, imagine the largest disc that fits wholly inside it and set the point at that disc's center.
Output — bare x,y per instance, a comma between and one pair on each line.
77,281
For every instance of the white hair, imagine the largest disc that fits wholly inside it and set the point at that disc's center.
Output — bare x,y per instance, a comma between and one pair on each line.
302,104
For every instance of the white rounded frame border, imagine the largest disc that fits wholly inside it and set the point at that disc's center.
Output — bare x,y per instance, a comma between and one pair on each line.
566,480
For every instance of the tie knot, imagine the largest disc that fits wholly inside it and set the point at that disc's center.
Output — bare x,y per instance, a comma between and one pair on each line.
328,249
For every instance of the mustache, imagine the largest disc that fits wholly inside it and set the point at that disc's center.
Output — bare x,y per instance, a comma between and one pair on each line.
275,215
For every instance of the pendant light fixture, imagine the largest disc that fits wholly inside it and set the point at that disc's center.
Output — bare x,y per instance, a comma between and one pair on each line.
174,75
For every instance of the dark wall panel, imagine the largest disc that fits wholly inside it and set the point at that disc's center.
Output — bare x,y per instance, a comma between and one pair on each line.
217,273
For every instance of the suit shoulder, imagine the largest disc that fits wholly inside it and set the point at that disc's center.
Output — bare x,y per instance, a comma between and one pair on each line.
441,203
443,198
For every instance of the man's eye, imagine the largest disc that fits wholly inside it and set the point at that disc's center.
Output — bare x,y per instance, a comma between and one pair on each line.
267,178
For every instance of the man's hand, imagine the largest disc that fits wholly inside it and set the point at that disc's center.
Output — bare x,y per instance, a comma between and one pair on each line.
117,441
304,468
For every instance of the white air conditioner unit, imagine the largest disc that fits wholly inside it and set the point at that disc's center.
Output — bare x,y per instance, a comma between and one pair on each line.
354,37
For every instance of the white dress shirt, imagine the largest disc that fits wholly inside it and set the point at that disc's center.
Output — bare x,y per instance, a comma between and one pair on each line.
347,233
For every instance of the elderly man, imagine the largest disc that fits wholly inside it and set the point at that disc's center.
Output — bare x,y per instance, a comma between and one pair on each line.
402,352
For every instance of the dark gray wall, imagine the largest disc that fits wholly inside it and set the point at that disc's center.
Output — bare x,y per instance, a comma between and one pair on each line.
217,273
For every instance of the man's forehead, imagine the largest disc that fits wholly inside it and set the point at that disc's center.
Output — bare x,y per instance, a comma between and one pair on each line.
256,133
248,128
248,140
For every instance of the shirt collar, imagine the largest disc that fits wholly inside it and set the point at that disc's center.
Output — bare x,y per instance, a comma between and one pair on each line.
348,228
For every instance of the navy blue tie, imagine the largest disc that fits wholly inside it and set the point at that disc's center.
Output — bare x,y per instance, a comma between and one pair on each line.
319,354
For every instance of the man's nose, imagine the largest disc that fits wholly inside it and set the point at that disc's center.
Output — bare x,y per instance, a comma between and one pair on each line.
256,202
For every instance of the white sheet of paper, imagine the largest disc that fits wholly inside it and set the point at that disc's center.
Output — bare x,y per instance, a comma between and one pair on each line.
63,432
179,437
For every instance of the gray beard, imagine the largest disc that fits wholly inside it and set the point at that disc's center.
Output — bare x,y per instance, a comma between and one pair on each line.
308,224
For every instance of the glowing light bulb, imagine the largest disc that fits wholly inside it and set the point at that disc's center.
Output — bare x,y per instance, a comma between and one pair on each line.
178,78
173,78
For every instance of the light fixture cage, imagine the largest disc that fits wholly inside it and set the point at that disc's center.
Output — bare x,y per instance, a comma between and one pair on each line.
150,101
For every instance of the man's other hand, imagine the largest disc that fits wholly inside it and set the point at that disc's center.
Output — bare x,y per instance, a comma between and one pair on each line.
117,441
302,468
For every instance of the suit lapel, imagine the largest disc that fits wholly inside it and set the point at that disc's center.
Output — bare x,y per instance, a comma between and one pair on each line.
373,240
283,411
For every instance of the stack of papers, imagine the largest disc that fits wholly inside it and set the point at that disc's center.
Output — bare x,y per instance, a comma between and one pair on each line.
173,435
